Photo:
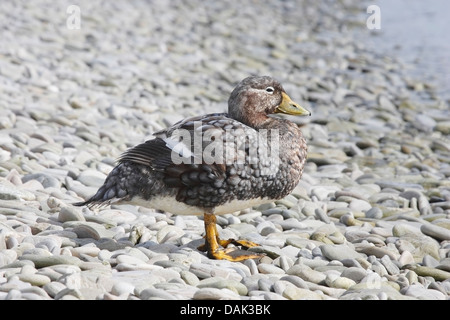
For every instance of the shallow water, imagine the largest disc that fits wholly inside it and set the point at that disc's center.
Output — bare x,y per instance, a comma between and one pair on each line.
418,33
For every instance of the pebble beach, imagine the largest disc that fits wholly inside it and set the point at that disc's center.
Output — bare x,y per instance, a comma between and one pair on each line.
81,83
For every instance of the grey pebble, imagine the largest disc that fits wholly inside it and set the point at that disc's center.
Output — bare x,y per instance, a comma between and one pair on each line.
122,288
35,279
53,288
45,261
374,213
70,214
189,277
422,293
215,294
390,266
92,230
269,269
354,273
307,274
219,283
435,231
338,252
321,215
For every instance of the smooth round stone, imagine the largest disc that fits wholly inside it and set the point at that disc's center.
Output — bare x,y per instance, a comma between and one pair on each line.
122,288
265,284
437,274
49,272
444,264
295,293
269,269
34,279
189,278
11,243
203,271
359,205
52,244
143,279
406,258
419,292
435,231
354,273
242,228
322,192
92,178
46,180
443,126
153,293
100,220
215,294
286,262
135,267
265,228
13,193
13,294
220,283
339,252
422,244
169,233
117,216
28,269
167,274
424,122
264,295
382,232
70,214
291,223
429,261
123,258
45,261
139,253
89,250
53,288
356,236
298,242
374,213
321,215
442,222
252,282
69,294
306,273
389,265
321,236
7,256
92,230
378,252
341,283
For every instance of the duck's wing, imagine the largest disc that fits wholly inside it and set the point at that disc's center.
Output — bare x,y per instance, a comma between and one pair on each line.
172,146
193,151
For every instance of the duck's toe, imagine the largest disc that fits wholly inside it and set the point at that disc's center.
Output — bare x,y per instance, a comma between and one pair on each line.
243,243
233,254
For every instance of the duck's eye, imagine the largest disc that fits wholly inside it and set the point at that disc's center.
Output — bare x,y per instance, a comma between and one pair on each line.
270,90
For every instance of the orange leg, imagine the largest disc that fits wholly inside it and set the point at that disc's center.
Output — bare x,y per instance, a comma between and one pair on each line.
212,244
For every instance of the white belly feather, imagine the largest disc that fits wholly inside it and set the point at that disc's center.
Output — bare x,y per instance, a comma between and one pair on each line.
169,204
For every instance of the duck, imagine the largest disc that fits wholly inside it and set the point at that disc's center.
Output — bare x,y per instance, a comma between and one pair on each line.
216,163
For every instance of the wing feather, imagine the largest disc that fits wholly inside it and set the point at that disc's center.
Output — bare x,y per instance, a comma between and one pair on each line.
188,172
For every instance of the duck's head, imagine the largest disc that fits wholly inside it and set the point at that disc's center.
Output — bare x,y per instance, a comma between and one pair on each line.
256,97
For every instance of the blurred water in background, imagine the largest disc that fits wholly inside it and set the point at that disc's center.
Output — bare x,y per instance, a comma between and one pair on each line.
418,33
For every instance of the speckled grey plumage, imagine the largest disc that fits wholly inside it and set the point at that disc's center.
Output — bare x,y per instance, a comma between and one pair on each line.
243,172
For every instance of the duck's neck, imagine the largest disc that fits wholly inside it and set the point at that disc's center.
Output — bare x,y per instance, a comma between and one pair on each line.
257,121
